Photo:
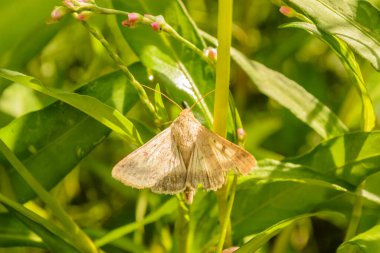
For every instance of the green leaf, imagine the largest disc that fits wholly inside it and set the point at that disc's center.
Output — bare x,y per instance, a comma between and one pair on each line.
344,161
14,234
55,239
351,157
263,237
355,22
105,114
368,241
293,97
159,104
275,171
51,142
260,206
290,95
348,59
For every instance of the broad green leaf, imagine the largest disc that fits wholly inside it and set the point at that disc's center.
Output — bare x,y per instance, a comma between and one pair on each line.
260,206
275,171
293,97
263,237
355,22
290,95
105,114
55,239
51,142
351,157
14,234
348,59
368,241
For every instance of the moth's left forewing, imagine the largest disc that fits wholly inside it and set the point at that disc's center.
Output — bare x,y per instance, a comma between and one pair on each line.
157,165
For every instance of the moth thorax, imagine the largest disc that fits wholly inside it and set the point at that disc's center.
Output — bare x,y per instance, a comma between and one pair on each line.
185,133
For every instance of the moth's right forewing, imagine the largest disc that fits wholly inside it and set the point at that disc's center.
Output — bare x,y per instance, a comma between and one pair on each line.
228,154
154,165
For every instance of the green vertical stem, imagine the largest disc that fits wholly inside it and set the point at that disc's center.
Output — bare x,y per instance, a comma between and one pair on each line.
225,227
221,103
223,67
141,208
183,226
355,216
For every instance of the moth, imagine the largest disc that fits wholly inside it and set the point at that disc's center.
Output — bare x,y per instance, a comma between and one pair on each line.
182,157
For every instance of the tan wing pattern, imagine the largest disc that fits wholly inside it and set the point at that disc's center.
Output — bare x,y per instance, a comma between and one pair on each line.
204,168
213,157
157,165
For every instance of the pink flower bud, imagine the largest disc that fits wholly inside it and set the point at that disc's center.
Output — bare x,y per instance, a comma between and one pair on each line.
69,3
133,17
211,53
287,11
241,135
83,16
156,26
58,12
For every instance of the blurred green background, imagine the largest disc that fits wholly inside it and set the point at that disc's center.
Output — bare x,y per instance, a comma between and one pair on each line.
63,55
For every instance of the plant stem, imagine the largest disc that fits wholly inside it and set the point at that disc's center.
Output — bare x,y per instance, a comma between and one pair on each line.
146,20
226,222
123,67
221,106
355,215
79,238
183,226
223,67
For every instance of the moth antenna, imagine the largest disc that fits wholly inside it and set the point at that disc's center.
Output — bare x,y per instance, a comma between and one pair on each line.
200,99
162,94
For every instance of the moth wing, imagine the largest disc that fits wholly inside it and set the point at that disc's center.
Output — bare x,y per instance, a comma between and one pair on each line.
213,157
157,165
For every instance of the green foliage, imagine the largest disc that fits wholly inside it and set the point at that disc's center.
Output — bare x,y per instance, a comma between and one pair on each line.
70,109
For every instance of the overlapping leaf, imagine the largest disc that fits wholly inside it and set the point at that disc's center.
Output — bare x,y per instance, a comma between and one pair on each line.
355,22
54,238
291,95
344,161
53,138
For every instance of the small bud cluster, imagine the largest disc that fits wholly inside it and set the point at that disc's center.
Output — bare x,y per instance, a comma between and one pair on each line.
211,53
133,20
72,6
156,22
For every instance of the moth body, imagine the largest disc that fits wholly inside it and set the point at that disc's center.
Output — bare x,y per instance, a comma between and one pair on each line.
184,131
